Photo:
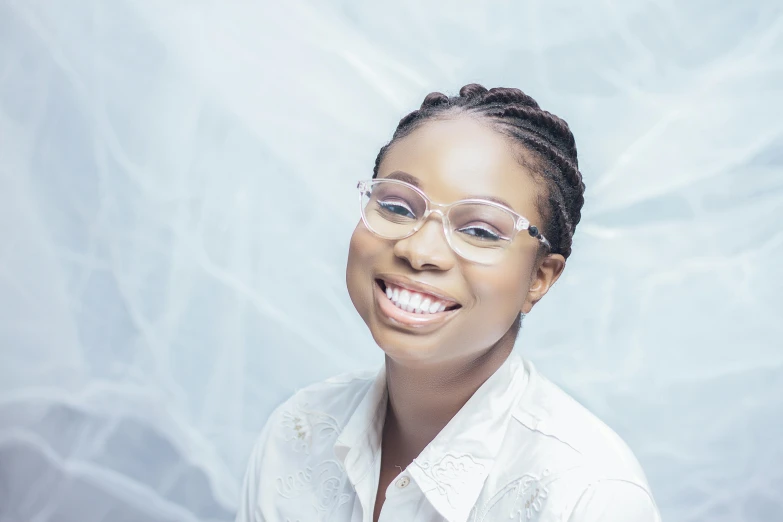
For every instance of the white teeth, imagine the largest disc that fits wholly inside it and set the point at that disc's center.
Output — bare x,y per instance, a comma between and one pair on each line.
414,302
405,297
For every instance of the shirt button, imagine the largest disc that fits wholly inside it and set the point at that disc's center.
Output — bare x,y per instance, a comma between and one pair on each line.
403,482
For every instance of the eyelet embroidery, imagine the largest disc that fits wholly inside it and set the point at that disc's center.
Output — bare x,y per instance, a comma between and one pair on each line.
450,473
529,495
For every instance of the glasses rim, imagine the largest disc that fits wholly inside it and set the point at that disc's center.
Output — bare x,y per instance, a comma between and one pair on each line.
520,221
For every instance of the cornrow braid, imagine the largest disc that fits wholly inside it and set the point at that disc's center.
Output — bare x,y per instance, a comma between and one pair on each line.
541,133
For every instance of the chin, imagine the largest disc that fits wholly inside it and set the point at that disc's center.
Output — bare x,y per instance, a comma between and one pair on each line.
410,349
412,356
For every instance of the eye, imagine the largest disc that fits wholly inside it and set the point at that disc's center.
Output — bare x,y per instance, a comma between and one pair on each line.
399,208
482,232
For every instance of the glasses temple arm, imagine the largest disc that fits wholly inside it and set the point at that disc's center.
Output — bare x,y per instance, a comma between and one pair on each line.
534,232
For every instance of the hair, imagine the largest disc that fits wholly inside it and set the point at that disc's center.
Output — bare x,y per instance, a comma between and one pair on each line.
547,139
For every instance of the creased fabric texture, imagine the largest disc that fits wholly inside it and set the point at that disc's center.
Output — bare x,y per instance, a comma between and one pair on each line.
520,449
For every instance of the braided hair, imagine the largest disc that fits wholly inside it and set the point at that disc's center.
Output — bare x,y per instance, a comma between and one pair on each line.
547,137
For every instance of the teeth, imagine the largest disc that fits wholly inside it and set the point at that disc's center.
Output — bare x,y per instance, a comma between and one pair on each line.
405,297
414,302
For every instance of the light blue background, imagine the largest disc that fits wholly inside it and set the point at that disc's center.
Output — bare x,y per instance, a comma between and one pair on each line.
177,194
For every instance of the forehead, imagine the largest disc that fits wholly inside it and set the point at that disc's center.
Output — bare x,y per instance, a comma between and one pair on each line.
464,157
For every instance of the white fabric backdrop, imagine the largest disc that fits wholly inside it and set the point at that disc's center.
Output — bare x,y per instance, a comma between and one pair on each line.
177,194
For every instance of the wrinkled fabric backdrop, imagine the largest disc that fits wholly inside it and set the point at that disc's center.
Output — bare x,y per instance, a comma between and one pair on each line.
177,193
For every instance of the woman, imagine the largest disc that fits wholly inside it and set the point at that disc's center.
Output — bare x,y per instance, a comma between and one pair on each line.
466,224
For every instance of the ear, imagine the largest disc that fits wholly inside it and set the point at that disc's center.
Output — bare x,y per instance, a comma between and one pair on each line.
549,269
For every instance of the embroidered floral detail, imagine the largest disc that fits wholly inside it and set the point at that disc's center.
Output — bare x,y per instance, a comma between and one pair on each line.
301,424
320,486
528,494
297,431
533,502
451,473
325,487
295,484
331,481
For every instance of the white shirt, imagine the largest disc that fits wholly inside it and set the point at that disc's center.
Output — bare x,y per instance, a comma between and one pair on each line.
520,449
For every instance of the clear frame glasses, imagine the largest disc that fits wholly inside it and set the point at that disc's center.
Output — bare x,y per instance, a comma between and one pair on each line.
476,229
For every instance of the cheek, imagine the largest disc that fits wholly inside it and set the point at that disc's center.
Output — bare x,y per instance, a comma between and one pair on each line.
363,248
501,290
499,293
362,251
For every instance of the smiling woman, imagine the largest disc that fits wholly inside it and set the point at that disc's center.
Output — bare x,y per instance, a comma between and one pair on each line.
465,225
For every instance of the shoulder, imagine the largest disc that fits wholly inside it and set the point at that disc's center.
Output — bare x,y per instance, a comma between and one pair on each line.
336,396
293,460
559,457
571,437
321,408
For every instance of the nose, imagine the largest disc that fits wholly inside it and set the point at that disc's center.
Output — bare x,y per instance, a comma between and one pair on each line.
427,249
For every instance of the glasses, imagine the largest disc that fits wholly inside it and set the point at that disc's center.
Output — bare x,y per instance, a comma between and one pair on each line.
476,229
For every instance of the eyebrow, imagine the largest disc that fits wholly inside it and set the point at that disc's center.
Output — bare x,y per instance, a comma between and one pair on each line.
413,180
404,176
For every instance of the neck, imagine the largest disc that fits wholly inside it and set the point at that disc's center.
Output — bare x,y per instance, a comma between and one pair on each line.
423,400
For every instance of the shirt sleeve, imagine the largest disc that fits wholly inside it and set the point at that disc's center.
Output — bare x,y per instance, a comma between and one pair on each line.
249,508
615,501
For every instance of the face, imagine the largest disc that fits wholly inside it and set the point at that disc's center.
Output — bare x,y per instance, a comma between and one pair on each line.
451,160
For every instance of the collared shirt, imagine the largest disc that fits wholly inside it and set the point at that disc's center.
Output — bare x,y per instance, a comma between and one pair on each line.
520,449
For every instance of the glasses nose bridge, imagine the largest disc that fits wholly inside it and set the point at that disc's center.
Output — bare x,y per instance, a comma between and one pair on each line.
442,211
435,208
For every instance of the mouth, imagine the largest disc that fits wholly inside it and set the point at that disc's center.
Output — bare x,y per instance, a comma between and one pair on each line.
414,301
412,307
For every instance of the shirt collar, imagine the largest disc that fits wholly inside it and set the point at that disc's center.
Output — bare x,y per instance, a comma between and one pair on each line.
452,469
359,444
